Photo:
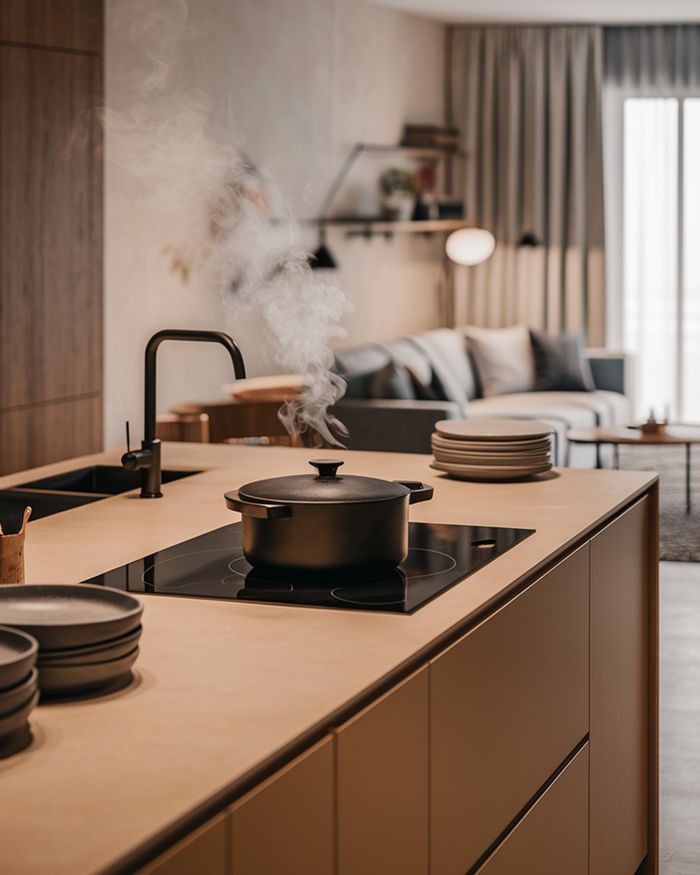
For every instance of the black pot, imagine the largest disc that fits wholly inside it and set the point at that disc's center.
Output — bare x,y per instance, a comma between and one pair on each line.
324,522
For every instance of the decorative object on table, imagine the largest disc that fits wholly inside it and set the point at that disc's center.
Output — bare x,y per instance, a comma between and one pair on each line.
13,527
18,680
560,363
492,449
302,522
398,193
430,137
88,635
653,425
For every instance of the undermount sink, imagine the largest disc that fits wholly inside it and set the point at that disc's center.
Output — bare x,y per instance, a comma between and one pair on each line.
42,503
102,479
60,492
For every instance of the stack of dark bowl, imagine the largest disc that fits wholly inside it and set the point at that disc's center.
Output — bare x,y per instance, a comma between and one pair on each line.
19,690
88,636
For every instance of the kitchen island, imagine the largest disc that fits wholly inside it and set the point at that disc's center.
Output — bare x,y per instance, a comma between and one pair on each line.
515,715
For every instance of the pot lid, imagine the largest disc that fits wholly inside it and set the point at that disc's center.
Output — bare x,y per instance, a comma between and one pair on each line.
324,487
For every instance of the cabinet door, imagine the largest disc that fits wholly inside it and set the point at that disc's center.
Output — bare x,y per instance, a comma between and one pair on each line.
553,836
203,851
382,784
49,432
509,702
286,824
618,736
50,247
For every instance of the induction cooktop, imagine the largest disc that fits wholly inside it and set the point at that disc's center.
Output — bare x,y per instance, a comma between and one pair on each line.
213,566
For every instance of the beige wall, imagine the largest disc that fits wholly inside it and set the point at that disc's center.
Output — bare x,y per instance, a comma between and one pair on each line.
296,82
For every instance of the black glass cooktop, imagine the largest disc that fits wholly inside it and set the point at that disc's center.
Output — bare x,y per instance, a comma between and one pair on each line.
213,566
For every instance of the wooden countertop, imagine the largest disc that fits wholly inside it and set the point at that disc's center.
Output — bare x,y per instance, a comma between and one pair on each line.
224,690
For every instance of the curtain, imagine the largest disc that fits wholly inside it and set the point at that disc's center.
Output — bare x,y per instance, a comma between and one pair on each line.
651,114
653,57
528,103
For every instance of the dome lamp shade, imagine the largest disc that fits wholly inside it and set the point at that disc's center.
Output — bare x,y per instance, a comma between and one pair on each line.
470,246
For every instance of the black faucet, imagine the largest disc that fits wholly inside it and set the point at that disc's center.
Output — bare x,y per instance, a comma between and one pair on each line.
147,459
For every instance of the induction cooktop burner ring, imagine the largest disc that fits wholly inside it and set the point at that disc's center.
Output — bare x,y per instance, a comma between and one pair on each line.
452,563
178,558
365,602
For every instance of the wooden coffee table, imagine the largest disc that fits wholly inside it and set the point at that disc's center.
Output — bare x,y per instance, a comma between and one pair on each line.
676,435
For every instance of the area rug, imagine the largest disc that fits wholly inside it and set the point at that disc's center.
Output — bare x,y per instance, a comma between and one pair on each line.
679,533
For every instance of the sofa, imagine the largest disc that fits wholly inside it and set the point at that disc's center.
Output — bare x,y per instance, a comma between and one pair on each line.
397,391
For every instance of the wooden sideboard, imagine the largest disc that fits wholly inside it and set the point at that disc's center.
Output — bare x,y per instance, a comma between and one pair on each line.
527,745
51,243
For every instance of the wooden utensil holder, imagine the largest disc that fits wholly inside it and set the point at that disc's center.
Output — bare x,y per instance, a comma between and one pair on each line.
12,553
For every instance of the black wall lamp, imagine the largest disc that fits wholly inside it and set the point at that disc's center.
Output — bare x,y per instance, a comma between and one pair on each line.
322,258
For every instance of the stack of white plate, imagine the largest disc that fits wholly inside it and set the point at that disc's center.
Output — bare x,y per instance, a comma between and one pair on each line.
492,449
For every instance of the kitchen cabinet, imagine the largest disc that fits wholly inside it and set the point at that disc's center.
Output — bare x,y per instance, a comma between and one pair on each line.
51,241
619,694
382,784
65,24
204,850
509,702
552,837
286,824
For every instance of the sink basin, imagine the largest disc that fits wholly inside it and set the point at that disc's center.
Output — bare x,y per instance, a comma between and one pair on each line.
71,489
42,503
99,479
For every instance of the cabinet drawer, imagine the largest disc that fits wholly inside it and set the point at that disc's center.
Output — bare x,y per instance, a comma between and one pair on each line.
553,835
509,702
382,784
204,850
286,823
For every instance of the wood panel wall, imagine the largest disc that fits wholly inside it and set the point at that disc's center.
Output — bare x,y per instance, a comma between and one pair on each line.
51,84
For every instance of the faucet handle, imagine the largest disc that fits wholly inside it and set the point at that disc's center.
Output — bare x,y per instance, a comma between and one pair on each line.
128,441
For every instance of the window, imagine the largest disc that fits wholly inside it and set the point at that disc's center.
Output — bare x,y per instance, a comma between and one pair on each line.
661,252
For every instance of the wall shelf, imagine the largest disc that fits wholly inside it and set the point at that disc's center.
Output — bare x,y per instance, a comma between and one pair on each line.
358,226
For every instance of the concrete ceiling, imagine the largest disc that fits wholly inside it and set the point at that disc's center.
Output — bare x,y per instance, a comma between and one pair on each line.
551,11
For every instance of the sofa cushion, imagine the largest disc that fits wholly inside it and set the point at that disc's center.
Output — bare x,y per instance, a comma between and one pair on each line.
560,363
446,351
413,358
503,358
577,408
392,381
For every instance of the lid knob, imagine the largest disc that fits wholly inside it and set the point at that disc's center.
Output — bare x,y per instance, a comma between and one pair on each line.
326,467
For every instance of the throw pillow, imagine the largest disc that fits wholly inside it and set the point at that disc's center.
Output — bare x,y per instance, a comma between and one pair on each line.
452,369
503,358
560,363
392,381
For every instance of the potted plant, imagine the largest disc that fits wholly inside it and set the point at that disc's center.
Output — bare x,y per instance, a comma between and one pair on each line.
398,193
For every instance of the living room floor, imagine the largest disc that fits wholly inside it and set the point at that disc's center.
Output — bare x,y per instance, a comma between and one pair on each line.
680,718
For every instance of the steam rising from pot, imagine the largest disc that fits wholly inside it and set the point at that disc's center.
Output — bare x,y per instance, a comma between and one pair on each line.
231,230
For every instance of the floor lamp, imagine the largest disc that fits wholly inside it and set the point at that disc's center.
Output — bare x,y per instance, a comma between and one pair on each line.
468,246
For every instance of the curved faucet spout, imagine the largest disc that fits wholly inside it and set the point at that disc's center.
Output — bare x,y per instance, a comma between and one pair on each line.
150,369
147,459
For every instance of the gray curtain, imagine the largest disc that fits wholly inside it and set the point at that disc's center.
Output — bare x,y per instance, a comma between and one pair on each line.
653,56
528,103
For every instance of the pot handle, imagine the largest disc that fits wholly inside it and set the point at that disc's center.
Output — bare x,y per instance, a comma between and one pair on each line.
256,509
419,491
